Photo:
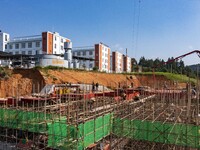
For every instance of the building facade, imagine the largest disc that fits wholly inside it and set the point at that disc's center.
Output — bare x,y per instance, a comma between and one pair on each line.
100,54
85,52
102,57
46,43
120,62
127,64
4,39
117,62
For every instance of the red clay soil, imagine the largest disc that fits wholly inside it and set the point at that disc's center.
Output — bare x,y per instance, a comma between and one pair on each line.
109,80
26,81
159,82
21,82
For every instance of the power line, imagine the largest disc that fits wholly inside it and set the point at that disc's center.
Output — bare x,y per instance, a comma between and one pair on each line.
137,30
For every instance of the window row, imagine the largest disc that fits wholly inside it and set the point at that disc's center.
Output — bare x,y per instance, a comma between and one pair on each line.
61,40
23,52
83,53
23,45
61,47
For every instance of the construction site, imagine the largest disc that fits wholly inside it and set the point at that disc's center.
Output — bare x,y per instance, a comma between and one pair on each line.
92,116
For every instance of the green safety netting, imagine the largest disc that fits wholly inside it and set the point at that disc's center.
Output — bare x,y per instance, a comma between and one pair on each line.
63,136
169,133
25,120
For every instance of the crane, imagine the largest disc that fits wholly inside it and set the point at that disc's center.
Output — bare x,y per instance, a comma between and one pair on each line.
177,58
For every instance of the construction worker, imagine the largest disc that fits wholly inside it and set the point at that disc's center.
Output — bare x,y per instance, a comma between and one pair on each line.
93,86
91,103
124,95
97,86
119,85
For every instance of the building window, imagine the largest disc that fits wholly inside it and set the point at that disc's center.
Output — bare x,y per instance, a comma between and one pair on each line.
55,45
84,53
79,53
17,46
61,40
6,37
10,46
91,53
90,65
61,47
29,52
5,46
23,53
16,52
37,44
55,38
29,45
23,45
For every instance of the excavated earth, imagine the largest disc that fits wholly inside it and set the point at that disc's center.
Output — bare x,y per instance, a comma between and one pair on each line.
23,82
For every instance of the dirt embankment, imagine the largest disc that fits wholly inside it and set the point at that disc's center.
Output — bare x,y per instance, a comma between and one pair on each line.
21,82
26,81
106,79
159,82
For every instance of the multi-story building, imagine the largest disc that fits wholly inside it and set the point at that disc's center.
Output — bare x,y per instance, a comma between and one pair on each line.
120,62
117,62
46,43
100,54
126,63
85,52
4,39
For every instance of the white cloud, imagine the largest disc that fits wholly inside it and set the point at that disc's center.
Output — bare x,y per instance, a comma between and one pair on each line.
117,47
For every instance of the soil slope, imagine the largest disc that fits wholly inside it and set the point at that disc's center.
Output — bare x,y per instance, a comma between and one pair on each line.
26,81
21,82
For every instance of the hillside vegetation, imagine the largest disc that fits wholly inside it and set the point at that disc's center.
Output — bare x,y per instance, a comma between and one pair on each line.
170,76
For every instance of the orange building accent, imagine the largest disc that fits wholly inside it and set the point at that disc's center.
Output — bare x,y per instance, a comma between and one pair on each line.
44,42
125,62
100,56
108,59
47,42
96,55
50,43
113,61
67,40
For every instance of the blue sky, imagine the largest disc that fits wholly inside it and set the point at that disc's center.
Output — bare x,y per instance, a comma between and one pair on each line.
150,28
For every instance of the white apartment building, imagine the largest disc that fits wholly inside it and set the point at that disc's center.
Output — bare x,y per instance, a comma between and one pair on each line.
127,64
100,53
117,62
120,62
46,43
4,39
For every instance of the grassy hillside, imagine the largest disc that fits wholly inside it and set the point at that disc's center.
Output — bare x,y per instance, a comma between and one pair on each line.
170,76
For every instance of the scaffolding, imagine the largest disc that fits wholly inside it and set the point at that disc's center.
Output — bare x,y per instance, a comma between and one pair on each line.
160,119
